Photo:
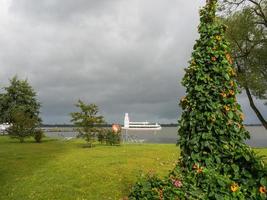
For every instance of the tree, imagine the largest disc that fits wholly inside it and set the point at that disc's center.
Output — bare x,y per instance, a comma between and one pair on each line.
247,34
19,106
19,95
87,120
258,7
215,162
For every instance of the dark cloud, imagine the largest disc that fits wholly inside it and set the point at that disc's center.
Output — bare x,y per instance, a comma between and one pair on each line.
125,56
60,10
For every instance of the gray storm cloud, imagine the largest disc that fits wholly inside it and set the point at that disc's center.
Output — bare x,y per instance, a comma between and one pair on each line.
125,56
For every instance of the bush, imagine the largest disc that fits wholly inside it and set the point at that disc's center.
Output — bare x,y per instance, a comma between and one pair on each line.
113,138
196,185
101,136
38,135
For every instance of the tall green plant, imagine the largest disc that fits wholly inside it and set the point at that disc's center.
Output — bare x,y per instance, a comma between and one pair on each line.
211,123
211,130
215,162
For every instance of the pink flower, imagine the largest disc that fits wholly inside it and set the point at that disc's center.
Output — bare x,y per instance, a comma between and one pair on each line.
177,183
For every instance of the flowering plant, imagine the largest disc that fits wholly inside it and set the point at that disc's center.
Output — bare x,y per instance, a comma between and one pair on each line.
215,162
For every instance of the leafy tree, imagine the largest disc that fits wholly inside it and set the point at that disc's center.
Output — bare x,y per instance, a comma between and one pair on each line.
258,7
23,125
87,121
19,106
19,95
215,162
247,34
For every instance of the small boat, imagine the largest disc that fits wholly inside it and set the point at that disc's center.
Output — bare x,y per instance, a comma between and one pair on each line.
139,126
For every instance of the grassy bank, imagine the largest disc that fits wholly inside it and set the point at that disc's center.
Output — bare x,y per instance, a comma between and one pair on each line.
58,169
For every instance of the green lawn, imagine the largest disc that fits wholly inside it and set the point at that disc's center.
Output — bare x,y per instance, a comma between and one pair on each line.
58,169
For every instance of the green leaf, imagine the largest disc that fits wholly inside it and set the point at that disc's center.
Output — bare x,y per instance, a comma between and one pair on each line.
230,114
263,181
247,157
226,76
235,168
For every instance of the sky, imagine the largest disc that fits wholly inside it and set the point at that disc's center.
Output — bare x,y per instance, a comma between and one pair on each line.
123,55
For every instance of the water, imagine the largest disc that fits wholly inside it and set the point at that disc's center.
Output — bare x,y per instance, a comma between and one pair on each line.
168,135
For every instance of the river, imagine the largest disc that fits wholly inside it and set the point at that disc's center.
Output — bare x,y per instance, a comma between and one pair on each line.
168,135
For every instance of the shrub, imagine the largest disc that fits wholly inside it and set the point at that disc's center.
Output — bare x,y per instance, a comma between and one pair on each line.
38,135
101,136
113,138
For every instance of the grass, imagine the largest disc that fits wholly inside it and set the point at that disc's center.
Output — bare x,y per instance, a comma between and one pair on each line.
57,169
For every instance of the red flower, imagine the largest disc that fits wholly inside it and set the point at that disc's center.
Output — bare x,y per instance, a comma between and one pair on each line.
177,183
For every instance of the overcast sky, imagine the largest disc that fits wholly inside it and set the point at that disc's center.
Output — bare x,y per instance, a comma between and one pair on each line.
123,55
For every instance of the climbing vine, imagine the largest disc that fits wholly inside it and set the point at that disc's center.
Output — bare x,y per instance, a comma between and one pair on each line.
215,162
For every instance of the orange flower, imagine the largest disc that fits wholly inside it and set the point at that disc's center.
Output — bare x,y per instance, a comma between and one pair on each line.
213,58
239,126
231,92
218,37
232,83
234,187
262,189
228,57
223,95
199,170
227,108
195,166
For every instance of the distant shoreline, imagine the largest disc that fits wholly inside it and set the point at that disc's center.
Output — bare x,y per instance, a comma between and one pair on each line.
110,125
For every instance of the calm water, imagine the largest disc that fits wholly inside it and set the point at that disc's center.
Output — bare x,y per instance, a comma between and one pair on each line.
169,135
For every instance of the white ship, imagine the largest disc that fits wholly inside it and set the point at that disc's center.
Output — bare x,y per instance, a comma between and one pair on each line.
142,126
